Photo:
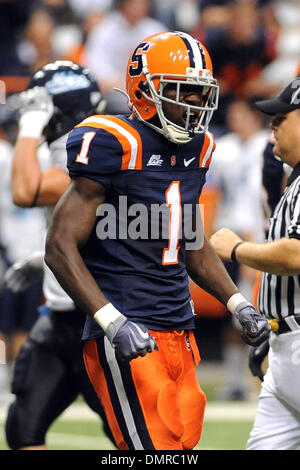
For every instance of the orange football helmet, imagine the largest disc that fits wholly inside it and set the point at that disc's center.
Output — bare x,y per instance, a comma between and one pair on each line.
171,58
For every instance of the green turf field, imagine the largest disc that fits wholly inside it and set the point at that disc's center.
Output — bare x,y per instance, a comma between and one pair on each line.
227,426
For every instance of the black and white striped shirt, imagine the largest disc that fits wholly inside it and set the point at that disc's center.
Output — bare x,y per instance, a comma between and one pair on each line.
279,296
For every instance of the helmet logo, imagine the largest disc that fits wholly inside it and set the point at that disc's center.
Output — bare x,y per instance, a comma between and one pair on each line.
62,82
136,67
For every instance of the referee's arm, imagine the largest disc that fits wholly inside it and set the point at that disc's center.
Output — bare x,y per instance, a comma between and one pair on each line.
280,257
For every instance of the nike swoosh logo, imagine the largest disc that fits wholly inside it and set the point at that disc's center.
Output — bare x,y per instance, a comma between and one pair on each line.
187,162
143,334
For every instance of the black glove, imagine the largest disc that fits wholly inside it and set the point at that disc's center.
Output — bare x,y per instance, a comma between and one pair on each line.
256,328
256,358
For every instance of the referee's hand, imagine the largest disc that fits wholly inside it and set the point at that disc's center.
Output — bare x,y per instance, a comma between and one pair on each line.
256,328
256,357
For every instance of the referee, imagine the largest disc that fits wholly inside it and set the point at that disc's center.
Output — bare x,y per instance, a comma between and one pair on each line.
277,423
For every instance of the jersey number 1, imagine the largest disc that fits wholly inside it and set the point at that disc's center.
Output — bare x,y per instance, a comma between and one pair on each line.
87,138
173,199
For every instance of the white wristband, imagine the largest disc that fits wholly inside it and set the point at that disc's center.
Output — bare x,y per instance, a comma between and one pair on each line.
32,124
234,301
105,315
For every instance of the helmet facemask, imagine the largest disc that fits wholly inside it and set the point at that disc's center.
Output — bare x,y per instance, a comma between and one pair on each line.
197,118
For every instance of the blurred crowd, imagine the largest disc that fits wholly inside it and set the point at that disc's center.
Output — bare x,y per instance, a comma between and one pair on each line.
255,49
254,43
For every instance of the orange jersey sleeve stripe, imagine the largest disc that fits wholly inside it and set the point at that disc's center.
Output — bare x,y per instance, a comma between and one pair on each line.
137,137
128,137
97,377
208,148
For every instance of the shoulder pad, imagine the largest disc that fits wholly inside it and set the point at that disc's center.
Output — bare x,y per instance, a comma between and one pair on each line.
127,137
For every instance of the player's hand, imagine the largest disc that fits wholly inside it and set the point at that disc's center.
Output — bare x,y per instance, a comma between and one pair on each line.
256,328
256,357
131,340
23,273
36,109
36,99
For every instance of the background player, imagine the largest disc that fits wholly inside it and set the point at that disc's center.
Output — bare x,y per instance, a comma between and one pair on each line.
135,288
49,372
21,232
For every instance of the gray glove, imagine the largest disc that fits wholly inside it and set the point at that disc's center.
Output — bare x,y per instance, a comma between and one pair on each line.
23,273
256,328
129,339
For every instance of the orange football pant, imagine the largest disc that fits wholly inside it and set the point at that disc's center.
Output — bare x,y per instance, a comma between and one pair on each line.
152,402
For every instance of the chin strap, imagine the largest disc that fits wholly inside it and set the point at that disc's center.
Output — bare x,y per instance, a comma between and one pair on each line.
176,135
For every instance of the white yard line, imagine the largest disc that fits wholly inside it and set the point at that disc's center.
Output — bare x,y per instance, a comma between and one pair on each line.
215,411
237,411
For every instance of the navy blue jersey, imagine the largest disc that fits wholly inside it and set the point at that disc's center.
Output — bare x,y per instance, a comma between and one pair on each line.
137,259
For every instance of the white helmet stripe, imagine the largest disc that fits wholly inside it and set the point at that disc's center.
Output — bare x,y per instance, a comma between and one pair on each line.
197,59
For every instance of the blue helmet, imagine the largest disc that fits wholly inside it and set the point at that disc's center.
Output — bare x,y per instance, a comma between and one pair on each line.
75,95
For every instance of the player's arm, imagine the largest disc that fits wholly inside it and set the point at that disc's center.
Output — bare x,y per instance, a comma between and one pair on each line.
279,257
71,226
206,269
72,223
30,185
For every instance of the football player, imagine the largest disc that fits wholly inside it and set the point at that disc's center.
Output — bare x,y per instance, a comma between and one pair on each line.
49,372
131,280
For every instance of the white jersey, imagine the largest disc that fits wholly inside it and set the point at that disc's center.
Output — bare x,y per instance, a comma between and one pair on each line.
21,230
56,297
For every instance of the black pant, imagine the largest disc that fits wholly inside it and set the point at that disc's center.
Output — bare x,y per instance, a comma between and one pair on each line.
49,374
